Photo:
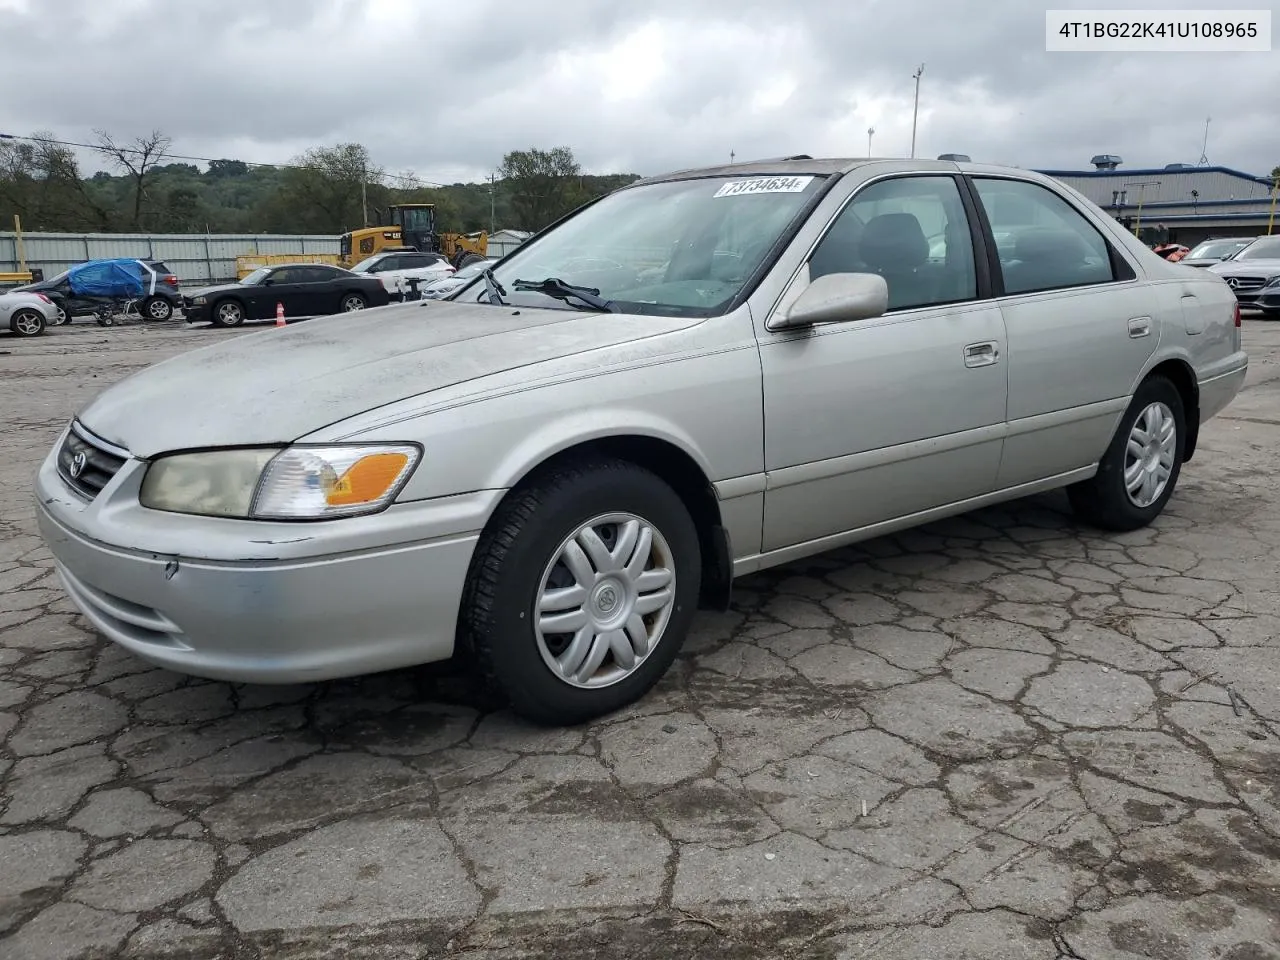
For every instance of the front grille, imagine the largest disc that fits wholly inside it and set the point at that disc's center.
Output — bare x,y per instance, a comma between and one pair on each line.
87,462
1243,284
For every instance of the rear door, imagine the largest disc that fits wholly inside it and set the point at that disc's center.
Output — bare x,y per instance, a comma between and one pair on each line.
1079,323
324,288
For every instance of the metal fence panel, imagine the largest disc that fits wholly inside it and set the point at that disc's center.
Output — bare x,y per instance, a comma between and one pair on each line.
195,258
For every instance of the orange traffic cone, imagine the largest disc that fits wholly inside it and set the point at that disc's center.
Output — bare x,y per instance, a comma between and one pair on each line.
279,314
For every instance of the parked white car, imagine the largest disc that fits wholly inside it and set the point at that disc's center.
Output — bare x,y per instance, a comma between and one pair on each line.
439,289
397,267
27,314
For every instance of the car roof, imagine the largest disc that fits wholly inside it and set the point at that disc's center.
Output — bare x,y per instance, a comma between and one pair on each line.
802,165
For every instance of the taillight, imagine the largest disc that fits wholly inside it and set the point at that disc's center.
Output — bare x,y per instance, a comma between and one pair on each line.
1237,317
171,280
44,298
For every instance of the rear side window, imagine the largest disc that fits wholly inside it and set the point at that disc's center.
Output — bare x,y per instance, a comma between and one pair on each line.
1043,242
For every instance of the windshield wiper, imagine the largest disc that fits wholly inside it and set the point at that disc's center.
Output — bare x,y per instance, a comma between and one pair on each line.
554,287
492,287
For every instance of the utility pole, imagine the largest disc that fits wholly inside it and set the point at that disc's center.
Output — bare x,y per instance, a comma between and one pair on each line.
492,181
364,192
732,155
871,132
915,111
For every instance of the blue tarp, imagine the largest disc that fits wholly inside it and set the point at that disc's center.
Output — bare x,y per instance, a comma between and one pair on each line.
109,278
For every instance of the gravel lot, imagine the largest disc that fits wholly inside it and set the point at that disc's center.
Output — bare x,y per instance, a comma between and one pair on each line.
995,738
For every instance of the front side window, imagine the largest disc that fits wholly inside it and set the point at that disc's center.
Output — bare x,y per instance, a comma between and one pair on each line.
674,248
1043,242
912,231
256,277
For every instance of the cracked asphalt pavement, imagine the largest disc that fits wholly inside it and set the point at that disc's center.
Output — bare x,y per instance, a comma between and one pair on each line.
1000,737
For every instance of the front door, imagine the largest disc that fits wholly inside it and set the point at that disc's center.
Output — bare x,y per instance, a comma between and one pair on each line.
285,287
878,419
1080,329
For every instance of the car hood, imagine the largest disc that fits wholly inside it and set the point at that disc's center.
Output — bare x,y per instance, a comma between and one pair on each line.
1246,268
281,384
189,293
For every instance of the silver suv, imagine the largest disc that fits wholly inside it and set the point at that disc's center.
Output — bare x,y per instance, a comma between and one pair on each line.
696,377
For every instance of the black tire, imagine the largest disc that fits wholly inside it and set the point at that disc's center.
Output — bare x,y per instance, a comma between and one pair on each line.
234,313
27,323
1103,500
351,302
466,258
63,316
105,318
156,309
521,539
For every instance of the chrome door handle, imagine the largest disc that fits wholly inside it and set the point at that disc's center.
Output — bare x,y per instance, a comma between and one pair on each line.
981,354
1139,327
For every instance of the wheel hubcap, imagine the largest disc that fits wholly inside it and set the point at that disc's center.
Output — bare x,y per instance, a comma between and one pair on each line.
228,313
354,304
28,324
159,310
1149,455
604,600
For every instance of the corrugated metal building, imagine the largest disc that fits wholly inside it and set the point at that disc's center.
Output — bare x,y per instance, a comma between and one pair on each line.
1192,202
502,242
195,258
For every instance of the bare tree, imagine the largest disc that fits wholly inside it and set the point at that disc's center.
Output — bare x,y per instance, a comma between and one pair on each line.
135,158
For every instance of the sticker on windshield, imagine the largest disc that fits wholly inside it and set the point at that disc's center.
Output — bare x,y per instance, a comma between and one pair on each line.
738,188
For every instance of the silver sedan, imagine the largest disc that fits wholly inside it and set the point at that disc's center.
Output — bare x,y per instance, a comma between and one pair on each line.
700,376
26,314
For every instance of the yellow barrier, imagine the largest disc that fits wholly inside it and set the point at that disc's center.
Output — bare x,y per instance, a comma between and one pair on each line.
18,278
247,264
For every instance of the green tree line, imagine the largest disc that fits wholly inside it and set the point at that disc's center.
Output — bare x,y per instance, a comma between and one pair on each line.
325,190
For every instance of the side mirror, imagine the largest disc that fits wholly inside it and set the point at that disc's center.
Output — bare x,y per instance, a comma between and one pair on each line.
837,297
267,281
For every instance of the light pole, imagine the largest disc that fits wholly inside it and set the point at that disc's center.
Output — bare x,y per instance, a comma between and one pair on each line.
915,111
1275,187
871,132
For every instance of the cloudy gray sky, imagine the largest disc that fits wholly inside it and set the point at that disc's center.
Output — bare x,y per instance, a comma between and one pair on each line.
445,89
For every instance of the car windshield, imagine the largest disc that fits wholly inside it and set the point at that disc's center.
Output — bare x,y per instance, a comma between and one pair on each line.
255,278
365,265
1215,248
1264,248
675,248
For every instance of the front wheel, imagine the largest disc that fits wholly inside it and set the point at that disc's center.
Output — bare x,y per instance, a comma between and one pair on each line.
352,302
1140,469
156,308
27,323
227,313
581,590
63,316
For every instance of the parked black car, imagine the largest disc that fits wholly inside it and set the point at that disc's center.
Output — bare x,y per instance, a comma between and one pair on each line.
160,306
305,290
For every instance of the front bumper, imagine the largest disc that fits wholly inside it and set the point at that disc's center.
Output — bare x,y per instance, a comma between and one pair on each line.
1269,299
262,602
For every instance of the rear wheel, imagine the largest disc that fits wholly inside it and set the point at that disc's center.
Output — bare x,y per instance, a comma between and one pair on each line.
352,302
27,323
581,590
466,258
227,313
156,308
63,316
1140,469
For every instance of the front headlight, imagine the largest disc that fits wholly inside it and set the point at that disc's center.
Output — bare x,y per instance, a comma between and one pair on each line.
296,483
1272,284
197,300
